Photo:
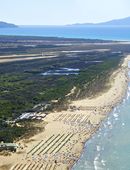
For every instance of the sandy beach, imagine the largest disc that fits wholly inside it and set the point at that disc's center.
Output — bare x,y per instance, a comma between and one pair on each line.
59,146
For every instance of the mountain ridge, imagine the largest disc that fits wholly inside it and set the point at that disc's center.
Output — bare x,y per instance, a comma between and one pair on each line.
115,22
7,25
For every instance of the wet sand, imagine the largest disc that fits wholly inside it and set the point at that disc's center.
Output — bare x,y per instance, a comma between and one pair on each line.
59,146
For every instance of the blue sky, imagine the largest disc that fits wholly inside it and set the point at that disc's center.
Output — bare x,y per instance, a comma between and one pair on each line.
60,12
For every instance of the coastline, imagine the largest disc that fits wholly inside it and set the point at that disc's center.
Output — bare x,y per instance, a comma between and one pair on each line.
79,122
117,102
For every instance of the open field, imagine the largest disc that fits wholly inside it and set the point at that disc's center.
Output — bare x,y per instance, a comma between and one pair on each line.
53,95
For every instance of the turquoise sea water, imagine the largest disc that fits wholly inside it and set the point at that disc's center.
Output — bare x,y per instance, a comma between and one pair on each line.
109,148
109,33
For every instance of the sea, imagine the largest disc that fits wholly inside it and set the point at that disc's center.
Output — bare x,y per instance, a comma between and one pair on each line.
104,32
109,148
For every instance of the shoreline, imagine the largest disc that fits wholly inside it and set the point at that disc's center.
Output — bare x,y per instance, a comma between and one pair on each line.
126,59
70,129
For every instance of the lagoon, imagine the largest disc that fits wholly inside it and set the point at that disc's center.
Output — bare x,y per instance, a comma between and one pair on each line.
62,71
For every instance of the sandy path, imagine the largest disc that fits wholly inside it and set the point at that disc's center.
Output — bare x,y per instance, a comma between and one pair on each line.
12,58
60,145
45,55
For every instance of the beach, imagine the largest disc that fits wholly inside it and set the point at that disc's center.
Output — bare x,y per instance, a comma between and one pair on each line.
60,145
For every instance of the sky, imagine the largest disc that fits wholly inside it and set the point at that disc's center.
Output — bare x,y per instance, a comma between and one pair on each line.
62,12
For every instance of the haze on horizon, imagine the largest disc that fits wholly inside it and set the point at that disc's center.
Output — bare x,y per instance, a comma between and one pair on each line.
59,12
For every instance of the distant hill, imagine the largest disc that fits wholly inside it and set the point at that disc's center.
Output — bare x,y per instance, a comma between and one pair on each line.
117,22
7,25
